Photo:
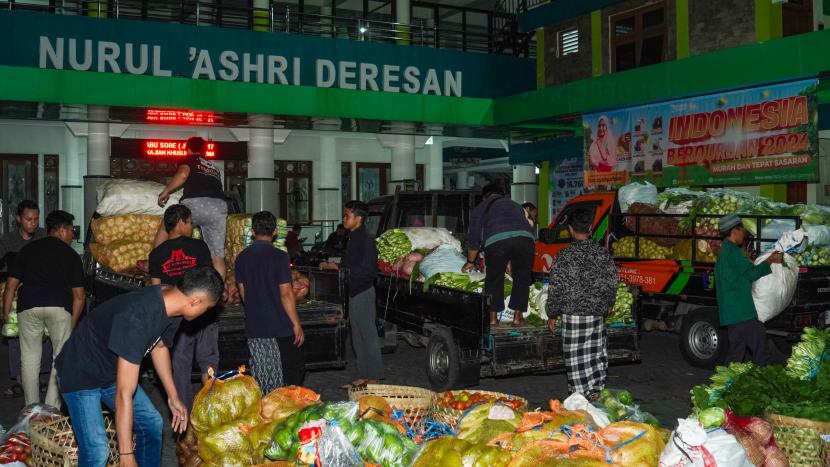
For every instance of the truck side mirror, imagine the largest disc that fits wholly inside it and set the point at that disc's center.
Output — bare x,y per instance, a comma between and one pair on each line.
547,236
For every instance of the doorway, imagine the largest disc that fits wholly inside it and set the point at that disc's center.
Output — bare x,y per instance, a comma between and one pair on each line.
18,181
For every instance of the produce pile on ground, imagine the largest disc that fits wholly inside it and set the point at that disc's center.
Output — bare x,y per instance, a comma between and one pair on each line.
741,396
232,422
800,389
122,240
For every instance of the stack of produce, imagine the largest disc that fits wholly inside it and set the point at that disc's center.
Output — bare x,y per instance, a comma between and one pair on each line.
622,311
799,391
625,247
397,243
122,240
376,441
17,448
122,196
651,222
464,400
814,256
232,423
239,235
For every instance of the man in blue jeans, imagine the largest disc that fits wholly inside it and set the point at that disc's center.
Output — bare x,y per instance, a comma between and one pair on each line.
100,364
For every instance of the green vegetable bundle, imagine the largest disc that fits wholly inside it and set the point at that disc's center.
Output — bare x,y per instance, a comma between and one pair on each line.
285,441
393,245
755,391
809,354
379,442
623,304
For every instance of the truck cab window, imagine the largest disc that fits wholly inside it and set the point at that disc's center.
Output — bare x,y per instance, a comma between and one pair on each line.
415,211
561,234
375,219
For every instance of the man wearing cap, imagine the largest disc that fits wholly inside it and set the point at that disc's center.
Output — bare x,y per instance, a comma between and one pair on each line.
734,275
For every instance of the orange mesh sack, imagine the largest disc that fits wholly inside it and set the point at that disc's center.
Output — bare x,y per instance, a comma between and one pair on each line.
223,400
283,402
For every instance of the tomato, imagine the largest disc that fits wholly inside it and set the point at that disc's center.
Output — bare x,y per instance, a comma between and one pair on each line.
447,395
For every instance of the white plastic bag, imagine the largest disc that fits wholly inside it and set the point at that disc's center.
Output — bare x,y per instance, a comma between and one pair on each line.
637,193
818,235
445,258
577,401
691,446
773,292
119,196
430,237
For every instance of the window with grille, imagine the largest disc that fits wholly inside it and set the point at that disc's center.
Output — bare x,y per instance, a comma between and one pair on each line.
568,42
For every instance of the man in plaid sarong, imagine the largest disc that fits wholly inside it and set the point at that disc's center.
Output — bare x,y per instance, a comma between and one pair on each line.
583,287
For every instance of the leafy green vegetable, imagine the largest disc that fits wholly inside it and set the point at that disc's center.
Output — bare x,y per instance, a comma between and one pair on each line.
808,354
393,245
712,417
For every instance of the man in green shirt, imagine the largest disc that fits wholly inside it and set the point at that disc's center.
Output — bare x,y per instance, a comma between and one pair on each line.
734,275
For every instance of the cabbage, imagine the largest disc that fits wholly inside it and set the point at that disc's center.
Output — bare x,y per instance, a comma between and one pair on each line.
712,417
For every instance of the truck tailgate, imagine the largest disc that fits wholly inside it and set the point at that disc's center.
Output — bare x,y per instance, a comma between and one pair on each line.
525,349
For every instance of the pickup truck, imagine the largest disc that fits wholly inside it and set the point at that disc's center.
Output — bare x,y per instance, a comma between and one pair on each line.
453,325
322,314
681,293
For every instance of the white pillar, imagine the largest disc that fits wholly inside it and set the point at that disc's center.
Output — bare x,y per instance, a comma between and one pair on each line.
435,180
462,180
261,186
402,13
328,191
402,146
525,187
97,159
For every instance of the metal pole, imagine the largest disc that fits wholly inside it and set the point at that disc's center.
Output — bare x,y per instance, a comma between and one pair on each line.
198,11
99,8
287,19
271,17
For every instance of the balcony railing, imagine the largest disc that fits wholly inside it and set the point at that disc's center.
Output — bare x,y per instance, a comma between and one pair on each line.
497,37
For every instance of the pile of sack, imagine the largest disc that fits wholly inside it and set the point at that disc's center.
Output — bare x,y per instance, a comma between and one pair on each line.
122,240
232,423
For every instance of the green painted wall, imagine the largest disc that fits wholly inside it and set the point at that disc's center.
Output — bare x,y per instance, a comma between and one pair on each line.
769,26
789,58
596,42
544,193
79,87
682,23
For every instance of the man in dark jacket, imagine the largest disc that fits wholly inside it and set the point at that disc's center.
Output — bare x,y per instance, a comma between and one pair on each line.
361,261
499,227
583,287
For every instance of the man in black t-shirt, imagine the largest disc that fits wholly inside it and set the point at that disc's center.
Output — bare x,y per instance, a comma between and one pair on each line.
168,263
51,297
100,364
201,184
271,321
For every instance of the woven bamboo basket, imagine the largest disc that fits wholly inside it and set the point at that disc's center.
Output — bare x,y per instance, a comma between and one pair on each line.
825,450
451,416
413,401
799,439
53,444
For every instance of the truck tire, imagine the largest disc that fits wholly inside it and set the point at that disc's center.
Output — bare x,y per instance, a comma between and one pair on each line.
703,342
443,362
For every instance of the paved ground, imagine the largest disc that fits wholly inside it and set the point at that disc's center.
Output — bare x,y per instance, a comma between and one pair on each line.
661,383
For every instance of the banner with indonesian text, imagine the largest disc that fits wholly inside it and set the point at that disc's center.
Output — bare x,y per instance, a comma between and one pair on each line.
760,135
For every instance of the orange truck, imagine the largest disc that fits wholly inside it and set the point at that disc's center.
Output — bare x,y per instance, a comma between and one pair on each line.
681,291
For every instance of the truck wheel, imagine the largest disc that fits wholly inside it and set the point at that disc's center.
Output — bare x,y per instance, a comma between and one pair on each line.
702,341
443,362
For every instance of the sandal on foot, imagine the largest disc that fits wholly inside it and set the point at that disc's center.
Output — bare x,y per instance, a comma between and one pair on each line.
13,391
